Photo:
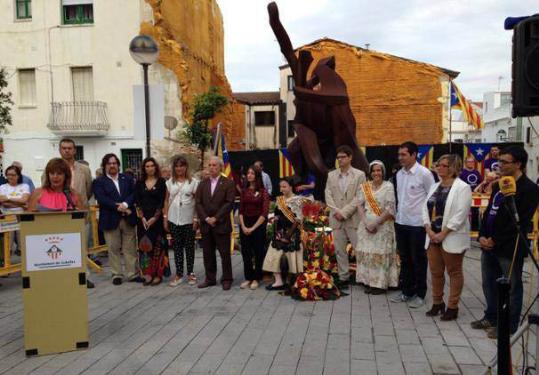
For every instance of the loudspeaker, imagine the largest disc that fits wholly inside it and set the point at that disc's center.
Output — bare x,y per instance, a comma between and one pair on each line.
525,69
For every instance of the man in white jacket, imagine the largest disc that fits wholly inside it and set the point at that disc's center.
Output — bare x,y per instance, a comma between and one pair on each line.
341,192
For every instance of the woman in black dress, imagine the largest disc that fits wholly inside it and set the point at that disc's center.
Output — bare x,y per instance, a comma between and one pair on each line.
150,193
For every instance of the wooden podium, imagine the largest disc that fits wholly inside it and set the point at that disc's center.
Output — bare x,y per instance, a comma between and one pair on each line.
54,282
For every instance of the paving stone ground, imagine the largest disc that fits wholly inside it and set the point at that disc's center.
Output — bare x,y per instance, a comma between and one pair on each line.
185,330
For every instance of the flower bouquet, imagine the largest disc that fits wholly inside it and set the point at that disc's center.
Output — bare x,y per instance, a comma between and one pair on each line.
317,282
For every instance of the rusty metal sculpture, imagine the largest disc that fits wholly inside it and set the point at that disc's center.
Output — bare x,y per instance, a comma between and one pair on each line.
324,120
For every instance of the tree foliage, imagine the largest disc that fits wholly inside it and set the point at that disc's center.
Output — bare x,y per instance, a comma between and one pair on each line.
5,102
205,107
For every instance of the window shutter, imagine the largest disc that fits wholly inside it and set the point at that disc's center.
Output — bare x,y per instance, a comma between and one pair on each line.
77,2
83,84
27,86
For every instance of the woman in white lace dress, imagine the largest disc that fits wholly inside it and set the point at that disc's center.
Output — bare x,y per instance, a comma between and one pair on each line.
376,254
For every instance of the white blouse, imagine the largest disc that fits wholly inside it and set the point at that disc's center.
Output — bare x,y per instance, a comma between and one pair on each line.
181,201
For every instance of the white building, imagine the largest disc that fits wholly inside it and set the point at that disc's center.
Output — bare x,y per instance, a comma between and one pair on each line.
501,127
262,119
71,75
461,130
287,97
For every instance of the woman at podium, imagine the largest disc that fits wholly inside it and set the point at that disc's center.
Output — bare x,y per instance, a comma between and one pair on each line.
56,193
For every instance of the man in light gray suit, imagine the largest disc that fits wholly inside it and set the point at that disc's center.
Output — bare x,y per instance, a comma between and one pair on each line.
341,192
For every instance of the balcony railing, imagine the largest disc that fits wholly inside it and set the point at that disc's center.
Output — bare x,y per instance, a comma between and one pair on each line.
83,119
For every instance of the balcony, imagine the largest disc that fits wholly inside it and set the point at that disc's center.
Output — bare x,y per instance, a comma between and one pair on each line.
79,119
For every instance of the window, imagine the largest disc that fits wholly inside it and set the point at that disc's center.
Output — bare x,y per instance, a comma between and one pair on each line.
290,83
132,160
291,131
501,136
83,84
27,87
265,118
24,9
512,134
79,153
76,12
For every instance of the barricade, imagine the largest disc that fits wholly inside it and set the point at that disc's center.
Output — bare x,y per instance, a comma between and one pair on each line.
9,225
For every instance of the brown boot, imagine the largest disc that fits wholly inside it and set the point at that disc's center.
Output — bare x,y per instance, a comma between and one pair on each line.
436,309
450,314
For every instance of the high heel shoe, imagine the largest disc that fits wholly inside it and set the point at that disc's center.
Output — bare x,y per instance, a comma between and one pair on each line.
450,314
436,309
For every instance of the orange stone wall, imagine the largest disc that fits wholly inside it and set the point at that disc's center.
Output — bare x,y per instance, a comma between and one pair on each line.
393,100
191,43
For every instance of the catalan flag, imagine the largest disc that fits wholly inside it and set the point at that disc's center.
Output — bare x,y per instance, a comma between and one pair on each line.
285,166
480,152
425,156
222,152
458,101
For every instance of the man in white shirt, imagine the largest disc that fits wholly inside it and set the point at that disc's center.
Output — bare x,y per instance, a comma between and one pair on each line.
341,189
266,180
413,184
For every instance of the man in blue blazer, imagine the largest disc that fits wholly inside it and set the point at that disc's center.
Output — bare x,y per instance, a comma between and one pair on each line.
115,194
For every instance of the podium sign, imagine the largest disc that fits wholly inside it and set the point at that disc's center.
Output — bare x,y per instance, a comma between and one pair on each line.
54,282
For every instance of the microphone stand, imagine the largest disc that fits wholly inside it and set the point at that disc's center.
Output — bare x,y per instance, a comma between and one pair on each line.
505,340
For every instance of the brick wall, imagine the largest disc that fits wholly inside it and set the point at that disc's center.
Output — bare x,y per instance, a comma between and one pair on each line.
393,99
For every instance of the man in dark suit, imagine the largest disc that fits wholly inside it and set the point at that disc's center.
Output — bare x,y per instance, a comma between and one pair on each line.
498,236
214,202
115,194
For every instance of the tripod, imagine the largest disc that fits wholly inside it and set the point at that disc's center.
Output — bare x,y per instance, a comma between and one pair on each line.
502,358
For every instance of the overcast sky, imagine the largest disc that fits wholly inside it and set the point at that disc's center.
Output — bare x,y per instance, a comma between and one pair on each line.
462,35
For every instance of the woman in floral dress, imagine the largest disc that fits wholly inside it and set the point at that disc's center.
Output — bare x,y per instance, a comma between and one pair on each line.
376,255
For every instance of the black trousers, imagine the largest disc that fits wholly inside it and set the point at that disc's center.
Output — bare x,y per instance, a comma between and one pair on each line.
220,241
413,256
253,249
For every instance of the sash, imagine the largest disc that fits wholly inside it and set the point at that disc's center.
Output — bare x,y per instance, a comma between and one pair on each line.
369,197
281,203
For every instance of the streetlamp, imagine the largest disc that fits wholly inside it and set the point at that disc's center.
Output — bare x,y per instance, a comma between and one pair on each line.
144,50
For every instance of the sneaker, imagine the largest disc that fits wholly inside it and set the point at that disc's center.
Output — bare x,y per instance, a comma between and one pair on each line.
481,324
492,333
254,285
400,297
191,279
117,281
245,284
176,281
415,302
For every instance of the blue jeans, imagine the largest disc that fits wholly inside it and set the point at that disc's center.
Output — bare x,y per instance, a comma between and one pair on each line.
492,268
413,256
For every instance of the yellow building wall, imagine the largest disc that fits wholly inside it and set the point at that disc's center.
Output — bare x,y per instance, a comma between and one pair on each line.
393,99
191,42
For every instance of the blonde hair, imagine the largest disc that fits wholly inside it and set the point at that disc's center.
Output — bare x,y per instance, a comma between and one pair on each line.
454,161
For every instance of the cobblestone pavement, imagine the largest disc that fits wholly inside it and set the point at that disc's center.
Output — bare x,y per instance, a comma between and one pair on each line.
184,330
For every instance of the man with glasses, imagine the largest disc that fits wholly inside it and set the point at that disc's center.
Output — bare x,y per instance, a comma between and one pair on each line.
341,190
115,194
498,237
413,184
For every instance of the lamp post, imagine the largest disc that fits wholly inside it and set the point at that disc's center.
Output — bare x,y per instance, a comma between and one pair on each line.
144,50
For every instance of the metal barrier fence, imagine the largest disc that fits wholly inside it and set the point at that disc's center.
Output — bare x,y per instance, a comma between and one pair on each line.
9,225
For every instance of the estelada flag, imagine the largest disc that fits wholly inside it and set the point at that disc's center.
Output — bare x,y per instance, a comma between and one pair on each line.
480,152
425,156
458,101
222,152
285,166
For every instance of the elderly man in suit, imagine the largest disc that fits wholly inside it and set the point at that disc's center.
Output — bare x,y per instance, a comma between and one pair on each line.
341,192
214,202
115,194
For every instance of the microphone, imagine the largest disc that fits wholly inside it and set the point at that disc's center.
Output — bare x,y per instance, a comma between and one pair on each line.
508,188
67,193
